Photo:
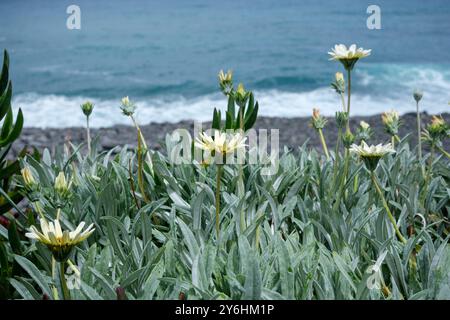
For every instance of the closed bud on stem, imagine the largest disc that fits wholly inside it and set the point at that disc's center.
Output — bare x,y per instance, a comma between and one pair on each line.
28,178
127,107
87,108
348,138
341,119
364,131
241,96
61,185
226,82
317,121
339,83
438,128
418,95
391,121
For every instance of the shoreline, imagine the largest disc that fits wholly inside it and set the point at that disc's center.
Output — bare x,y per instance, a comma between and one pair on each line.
293,132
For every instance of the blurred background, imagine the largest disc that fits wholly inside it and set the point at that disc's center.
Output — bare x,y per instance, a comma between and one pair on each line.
165,55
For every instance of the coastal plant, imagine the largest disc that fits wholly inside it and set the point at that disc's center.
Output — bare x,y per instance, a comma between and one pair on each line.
128,109
318,122
418,95
391,122
364,132
10,131
60,243
369,227
87,108
371,155
348,58
221,146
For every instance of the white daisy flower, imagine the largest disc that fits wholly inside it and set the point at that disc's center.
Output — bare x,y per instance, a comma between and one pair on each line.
348,56
221,142
371,154
59,242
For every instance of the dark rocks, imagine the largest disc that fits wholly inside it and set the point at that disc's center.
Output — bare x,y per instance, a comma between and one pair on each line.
293,133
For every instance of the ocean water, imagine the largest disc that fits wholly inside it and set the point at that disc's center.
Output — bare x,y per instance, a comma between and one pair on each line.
165,55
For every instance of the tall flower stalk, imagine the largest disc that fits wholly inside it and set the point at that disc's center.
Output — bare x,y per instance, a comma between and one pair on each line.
87,108
221,145
391,121
371,155
348,57
318,122
417,97
241,96
128,108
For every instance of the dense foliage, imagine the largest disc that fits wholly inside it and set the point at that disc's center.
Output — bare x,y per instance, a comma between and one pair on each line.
310,231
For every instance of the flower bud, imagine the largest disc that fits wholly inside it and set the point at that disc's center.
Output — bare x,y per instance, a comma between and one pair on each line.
61,185
348,139
339,84
226,81
364,125
318,122
417,94
127,107
438,128
341,119
391,121
87,108
364,132
241,96
28,178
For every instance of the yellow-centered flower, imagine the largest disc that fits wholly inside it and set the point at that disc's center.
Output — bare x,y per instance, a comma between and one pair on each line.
348,56
59,242
221,142
371,154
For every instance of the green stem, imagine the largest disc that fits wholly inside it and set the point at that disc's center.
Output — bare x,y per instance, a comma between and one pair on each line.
54,289
219,177
324,144
349,88
241,186
147,154
430,162
445,153
343,178
343,102
386,207
337,156
397,138
393,141
37,207
88,135
419,130
65,290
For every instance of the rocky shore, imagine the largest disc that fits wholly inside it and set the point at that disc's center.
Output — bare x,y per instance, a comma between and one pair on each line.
293,132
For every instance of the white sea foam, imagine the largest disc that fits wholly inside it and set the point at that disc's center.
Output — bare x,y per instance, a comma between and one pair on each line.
61,111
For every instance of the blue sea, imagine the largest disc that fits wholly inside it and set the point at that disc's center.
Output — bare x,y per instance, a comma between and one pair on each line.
165,55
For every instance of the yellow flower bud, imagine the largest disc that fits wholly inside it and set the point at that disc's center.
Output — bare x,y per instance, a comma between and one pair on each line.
364,125
126,101
339,77
61,185
27,177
